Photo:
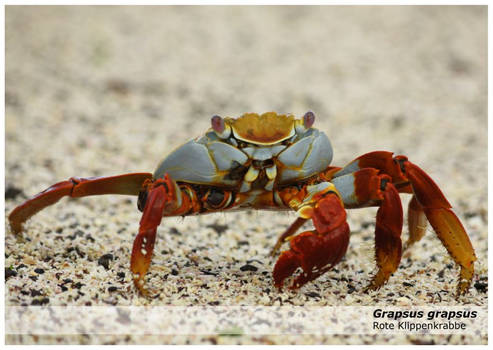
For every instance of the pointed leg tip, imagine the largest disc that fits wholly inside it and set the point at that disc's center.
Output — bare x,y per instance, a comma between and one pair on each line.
274,251
143,290
463,287
371,287
15,225
465,279
294,286
16,230
378,280
461,291
407,245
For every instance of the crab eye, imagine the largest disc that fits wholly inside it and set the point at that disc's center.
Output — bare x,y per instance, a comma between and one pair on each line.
217,124
302,125
221,129
308,119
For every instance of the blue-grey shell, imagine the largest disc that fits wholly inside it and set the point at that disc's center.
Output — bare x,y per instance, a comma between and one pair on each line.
209,160
306,157
202,163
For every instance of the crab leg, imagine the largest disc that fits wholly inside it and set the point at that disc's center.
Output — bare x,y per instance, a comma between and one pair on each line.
364,188
127,184
315,251
291,230
161,197
429,199
416,221
445,223
160,194
388,228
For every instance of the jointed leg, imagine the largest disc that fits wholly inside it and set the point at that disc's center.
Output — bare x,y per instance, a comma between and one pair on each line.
156,198
388,228
291,230
416,221
428,200
129,184
364,188
445,223
159,194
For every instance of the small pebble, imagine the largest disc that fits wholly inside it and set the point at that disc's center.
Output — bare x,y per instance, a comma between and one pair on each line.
35,293
105,260
248,267
28,260
174,231
312,295
218,228
481,287
403,301
9,273
12,192
42,301
39,271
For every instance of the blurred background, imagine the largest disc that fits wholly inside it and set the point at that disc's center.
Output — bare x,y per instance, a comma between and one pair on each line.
103,90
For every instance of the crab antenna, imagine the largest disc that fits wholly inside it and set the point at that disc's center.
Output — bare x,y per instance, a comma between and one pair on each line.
308,119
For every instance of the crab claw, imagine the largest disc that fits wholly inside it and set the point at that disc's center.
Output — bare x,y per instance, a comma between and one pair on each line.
315,255
286,265
316,251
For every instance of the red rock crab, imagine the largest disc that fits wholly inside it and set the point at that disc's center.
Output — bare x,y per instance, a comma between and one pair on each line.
277,162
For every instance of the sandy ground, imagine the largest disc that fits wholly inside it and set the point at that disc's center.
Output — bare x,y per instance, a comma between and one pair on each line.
107,90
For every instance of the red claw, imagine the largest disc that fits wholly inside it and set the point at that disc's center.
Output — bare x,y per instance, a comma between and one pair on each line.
316,251
286,265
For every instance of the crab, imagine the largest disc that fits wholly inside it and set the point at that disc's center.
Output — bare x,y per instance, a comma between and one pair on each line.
277,162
